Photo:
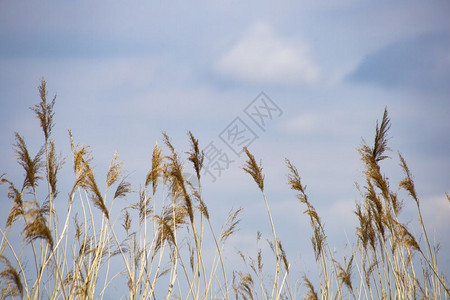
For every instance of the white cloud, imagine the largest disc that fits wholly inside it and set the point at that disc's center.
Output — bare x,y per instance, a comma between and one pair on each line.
262,56
435,212
303,123
332,121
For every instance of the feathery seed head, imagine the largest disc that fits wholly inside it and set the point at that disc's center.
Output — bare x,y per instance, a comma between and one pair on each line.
255,170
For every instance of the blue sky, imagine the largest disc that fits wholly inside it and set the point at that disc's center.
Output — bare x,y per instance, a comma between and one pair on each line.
125,72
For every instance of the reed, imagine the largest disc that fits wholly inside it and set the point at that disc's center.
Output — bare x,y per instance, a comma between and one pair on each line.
155,241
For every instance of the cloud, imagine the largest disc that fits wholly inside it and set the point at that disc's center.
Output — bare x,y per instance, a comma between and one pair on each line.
418,63
261,56
303,123
436,210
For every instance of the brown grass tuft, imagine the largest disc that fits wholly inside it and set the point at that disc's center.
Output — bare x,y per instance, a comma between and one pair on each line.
55,164
115,170
231,224
311,293
195,155
244,287
255,170
31,166
10,283
44,111
85,176
155,172
175,175
37,228
407,183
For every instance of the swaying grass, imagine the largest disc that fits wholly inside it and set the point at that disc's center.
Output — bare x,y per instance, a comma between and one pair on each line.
156,245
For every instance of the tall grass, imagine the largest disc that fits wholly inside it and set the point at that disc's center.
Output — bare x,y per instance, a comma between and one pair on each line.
157,244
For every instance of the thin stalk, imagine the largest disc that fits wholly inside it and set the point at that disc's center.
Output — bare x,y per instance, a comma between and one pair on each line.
277,267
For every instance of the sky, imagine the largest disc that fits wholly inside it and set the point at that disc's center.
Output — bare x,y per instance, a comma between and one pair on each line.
321,75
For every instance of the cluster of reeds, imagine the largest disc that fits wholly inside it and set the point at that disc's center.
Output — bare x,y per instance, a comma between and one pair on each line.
156,244
386,247
391,262
385,251
158,240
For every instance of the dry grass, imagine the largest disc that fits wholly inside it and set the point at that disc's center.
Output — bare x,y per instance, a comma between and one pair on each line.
156,244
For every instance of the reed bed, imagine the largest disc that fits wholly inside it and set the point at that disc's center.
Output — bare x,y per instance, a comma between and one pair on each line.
156,243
